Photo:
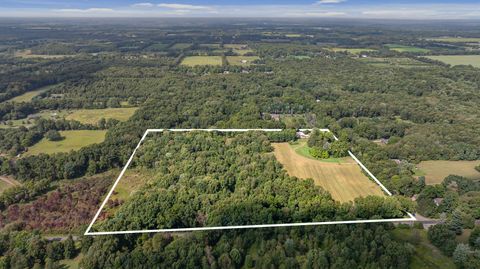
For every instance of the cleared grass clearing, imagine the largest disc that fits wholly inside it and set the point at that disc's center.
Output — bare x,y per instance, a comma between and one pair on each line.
235,46
181,46
7,183
473,60
31,119
241,60
456,39
157,47
210,45
355,51
293,35
202,60
28,96
16,123
132,180
436,171
344,179
93,116
396,62
403,48
239,49
425,256
28,54
72,263
74,140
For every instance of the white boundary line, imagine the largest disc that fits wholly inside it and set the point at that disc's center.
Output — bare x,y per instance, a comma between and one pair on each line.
87,232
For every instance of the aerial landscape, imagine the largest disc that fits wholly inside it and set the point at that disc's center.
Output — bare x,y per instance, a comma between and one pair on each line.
203,134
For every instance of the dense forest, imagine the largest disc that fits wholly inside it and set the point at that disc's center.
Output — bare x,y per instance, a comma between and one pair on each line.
392,114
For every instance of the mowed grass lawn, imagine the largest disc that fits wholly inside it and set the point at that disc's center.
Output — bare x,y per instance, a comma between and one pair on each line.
241,60
473,60
93,116
436,171
74,140
201,60
342,178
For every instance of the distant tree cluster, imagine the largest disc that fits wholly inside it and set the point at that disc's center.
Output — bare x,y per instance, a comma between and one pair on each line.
323,145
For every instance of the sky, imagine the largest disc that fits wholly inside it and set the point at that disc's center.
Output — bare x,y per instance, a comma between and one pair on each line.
372,9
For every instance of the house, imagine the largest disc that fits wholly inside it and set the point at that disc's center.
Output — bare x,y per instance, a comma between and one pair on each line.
438,201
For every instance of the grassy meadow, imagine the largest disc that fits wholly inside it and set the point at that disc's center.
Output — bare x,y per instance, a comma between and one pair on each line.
436,171
355,51
28,54
93,116
73,140
202,60
181,46
403,48
132,180
456,39
239,60
425,256
342,178
7,183
239,49
30,121
393,62
28,96
473,60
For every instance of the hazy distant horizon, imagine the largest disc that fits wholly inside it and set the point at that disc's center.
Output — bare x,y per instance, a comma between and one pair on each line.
348,9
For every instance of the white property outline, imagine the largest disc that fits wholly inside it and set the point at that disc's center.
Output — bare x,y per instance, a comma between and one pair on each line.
87,232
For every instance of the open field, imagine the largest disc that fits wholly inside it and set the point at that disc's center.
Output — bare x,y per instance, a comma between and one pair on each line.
131,181
402,48
30,120
74,140
456,39
202,60
28,54
210,45
396,62
72,263
426,256
28,96
239,49
181,46
355,51
157,47
293,35
7,182
241,60
473,60
92,116
343,179
436,171
16,123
